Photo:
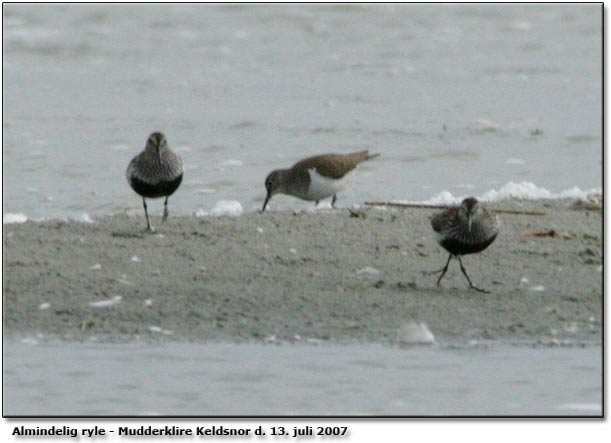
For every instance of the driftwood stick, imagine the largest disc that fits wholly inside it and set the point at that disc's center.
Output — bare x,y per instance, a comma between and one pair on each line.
422,206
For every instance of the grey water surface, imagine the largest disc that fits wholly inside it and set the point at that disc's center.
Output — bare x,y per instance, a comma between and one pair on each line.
255,379
461,98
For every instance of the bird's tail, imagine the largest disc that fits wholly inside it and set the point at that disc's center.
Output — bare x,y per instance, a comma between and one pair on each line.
365,155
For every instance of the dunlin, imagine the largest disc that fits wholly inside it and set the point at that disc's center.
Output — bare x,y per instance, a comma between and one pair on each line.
155,172
467,229
314,178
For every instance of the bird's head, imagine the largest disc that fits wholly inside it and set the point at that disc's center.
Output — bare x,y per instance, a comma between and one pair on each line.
468,209
273,185
156,143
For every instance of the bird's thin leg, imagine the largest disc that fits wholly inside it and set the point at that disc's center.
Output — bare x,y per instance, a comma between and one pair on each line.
437,271
148,223
444,270
333,200
165,210
471,285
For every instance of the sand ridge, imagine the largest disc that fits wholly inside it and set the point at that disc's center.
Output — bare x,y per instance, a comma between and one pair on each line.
328,276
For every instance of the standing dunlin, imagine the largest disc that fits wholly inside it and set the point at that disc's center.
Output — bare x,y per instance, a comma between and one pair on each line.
155,172
314,178
467,229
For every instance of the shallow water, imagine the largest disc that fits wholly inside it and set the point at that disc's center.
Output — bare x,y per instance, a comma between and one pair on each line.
463,98
253,379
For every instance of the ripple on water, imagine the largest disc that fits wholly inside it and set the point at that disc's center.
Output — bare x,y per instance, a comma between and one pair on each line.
215,148
243,125
582,138
222,184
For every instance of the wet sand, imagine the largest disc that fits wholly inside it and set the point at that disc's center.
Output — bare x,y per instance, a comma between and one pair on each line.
330,275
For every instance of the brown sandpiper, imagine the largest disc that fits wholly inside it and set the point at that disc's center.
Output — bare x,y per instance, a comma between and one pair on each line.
314,178
154,173
468,229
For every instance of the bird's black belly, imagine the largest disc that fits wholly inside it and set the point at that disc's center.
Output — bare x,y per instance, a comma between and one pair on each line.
160,189
460,248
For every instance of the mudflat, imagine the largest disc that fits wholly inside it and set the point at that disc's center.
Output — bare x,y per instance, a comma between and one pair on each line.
343,275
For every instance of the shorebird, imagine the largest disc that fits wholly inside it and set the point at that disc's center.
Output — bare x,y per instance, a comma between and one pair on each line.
155,172
314,178
468,229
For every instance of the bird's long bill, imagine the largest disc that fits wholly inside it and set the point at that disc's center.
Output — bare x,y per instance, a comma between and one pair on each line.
470,221
269,195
